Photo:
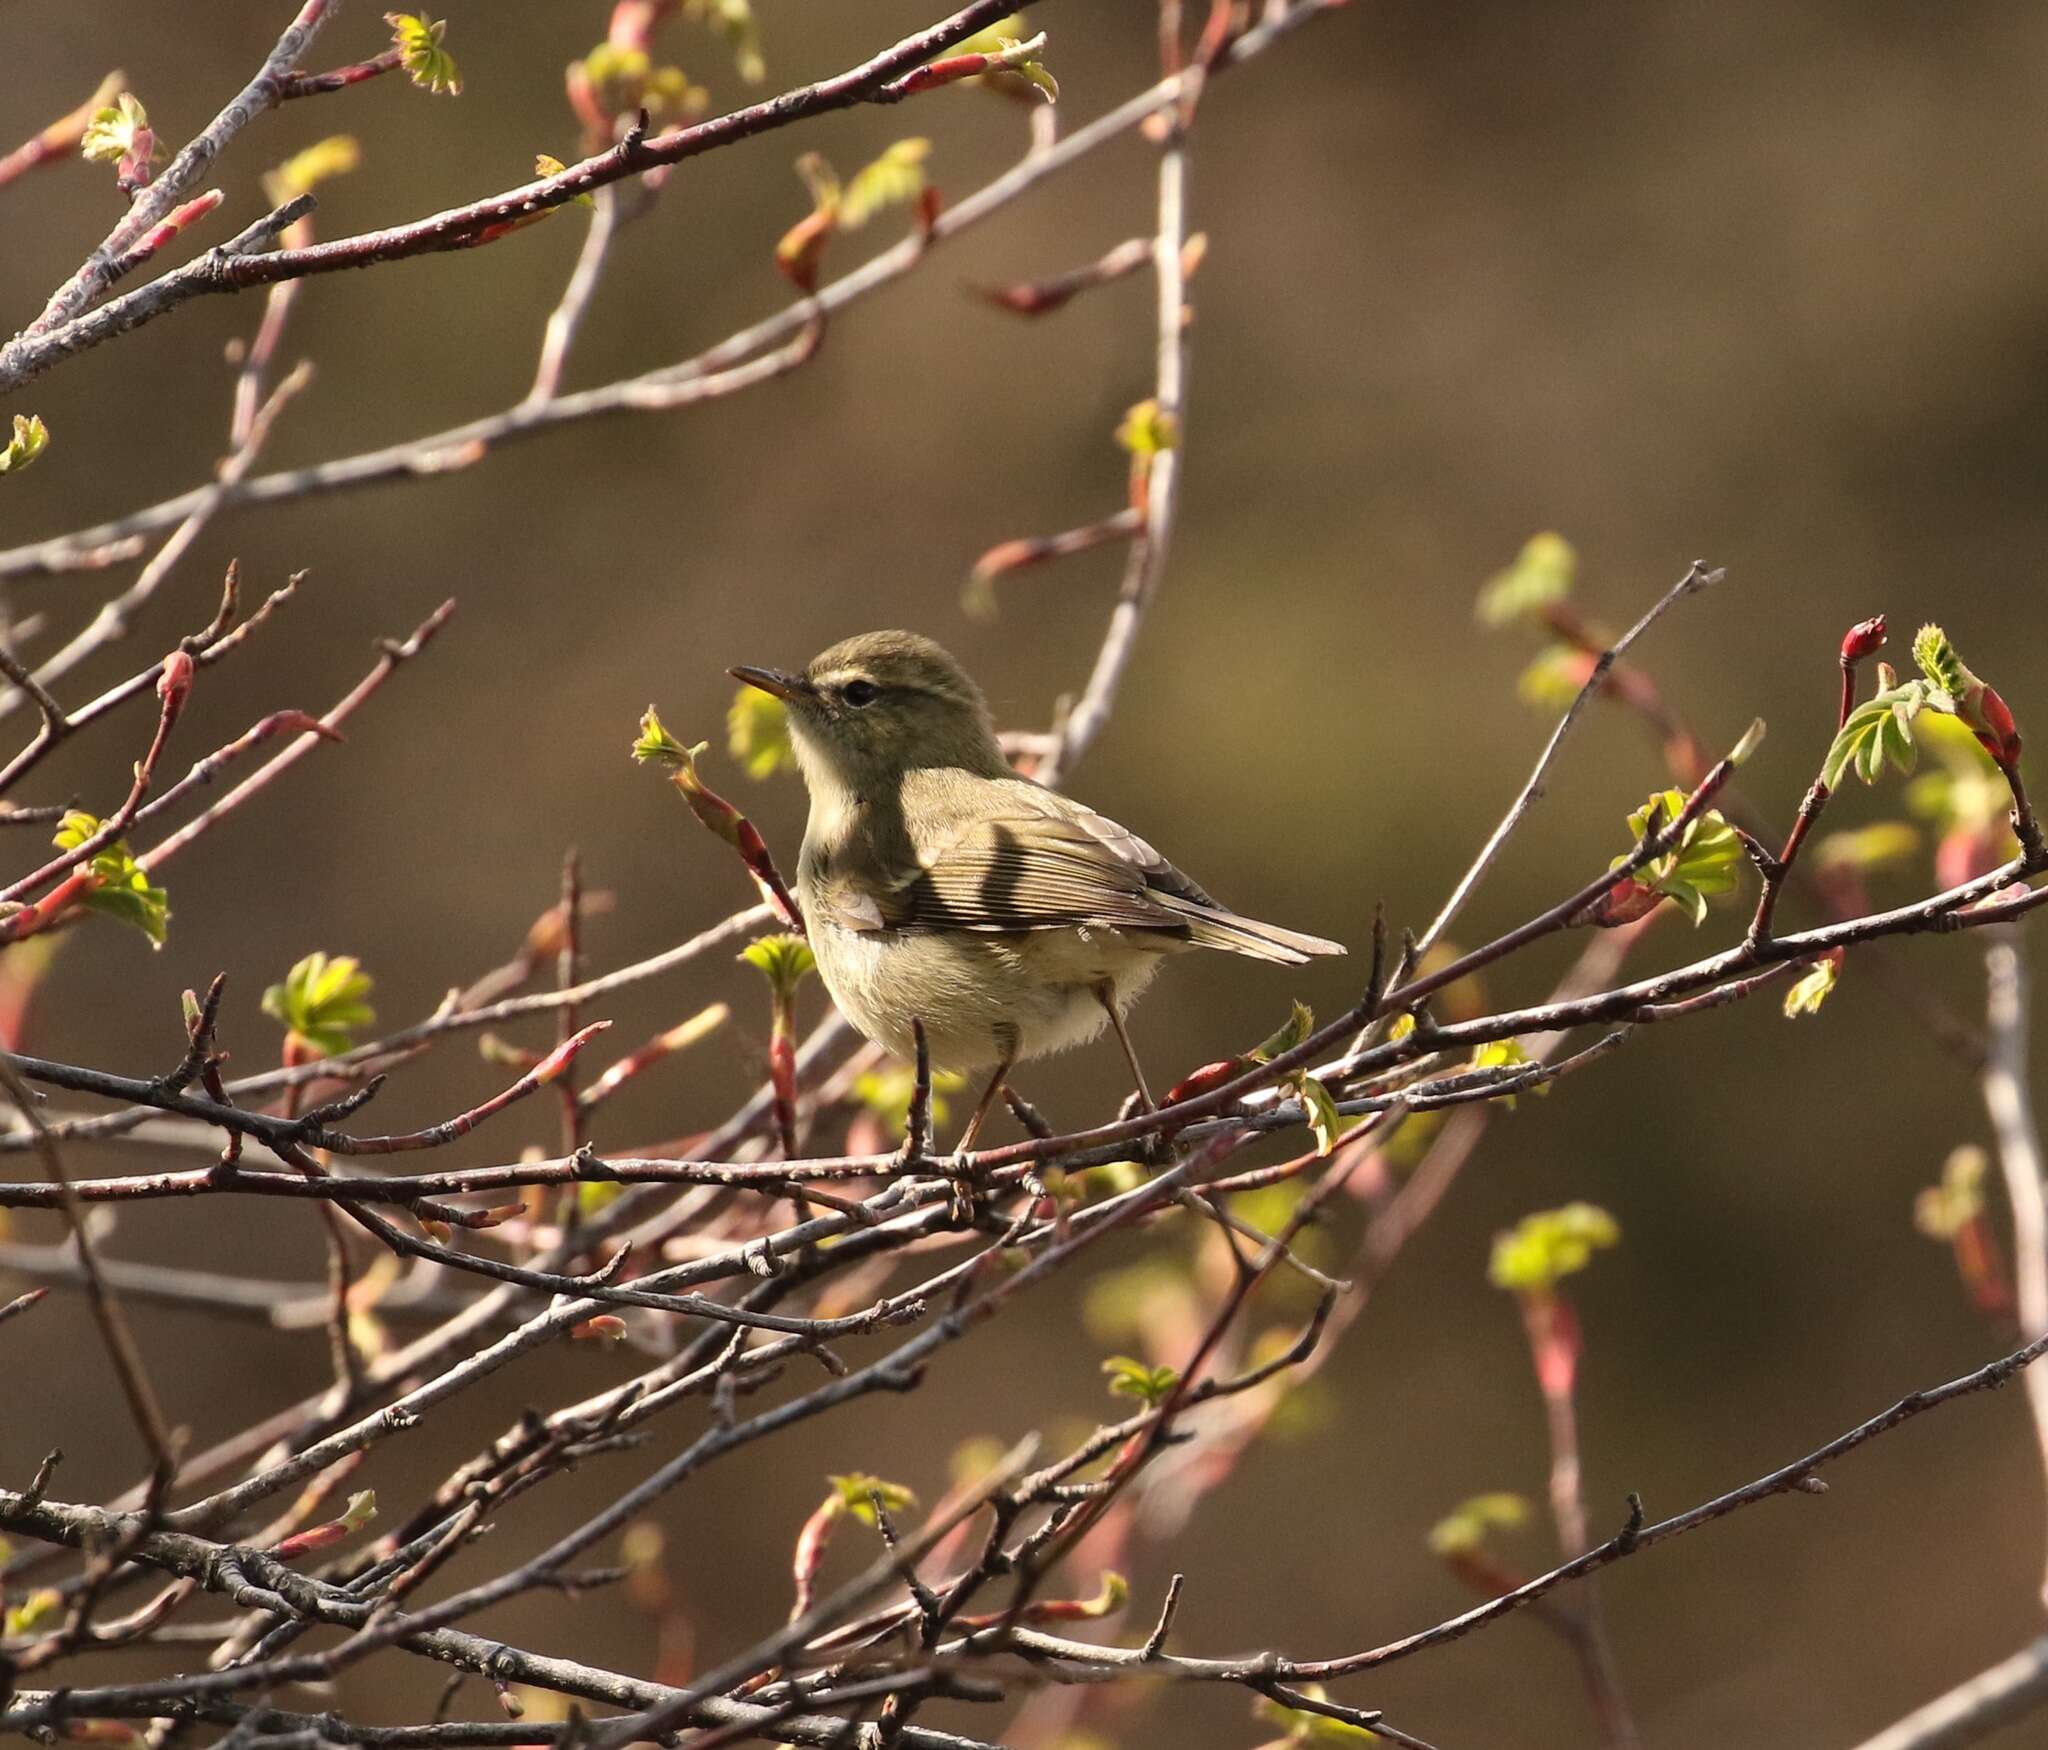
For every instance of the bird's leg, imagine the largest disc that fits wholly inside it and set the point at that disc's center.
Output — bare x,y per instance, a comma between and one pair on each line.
1105,994
981,1106
960,1170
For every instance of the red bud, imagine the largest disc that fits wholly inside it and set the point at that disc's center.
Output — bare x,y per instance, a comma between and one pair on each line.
174,685
1865,638
1209,1076
2000,734
1623,904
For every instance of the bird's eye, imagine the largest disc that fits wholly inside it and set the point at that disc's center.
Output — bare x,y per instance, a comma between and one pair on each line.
860,692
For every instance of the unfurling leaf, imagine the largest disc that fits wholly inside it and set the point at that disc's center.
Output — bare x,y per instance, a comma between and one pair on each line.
657,747
116,884
1979,706
785,961
854,1491
801,248
1812,987
1541,1249
1321,1112
1468,1525
892,179
1130,1378
120,130
1147,429
1944,1210
303,172
1300,1023
1543,573
31,437
1879,732
757,732
322,1002
426,62
1705,860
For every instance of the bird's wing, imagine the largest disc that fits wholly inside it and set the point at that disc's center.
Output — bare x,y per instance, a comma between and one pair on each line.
1008,857
1027,859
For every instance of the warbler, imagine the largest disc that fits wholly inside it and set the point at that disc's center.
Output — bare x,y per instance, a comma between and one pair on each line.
939,886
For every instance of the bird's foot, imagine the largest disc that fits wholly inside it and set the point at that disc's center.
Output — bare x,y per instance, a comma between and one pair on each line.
966,1188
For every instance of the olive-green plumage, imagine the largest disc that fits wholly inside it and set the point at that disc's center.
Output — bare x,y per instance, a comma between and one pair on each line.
938,884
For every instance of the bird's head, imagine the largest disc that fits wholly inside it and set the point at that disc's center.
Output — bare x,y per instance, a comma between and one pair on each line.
875,706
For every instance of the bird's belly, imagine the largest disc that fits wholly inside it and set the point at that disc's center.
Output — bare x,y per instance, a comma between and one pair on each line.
977,993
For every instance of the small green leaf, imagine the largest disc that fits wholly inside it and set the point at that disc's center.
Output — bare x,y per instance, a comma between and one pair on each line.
1944,1210
1466,1527
361,1509
43,1605
891,180
856,1489
1129,1378
1505,1054
113,132
595,1196
31,437
1543,573
303,172
1300,1023
1555,678
1812,988
547,164
426,62
1321,1112
322,1002
990,38
657,747
1936,658
121,888
1879,732
1148,429
785,961
1543,1248
1705,861
757,732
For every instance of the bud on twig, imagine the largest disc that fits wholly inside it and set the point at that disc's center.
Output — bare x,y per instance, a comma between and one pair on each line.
1865,638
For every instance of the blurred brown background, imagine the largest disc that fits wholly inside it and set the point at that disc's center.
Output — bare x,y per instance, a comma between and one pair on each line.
1757,283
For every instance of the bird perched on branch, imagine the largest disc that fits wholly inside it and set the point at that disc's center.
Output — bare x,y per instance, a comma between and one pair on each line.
940,887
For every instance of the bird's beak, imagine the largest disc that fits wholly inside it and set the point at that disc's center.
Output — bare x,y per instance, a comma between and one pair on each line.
772,680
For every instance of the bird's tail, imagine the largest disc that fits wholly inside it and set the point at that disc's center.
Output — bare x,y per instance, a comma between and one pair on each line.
1217,928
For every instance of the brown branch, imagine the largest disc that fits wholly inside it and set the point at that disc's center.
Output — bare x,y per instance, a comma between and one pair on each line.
62,332
660,388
